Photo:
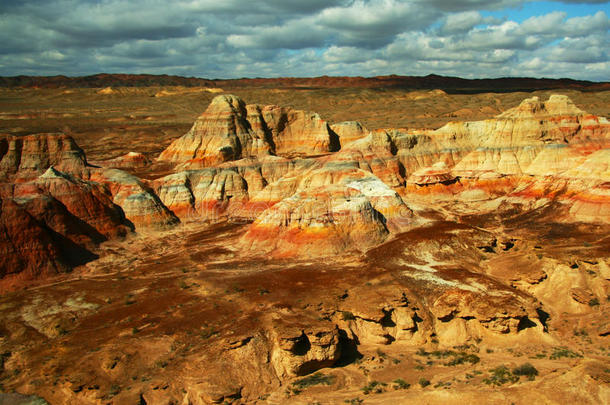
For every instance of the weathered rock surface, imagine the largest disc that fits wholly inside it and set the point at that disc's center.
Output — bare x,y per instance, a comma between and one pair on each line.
349,131
230,130
237,162
437,173
319,221
27,247
84,199
139,202
203,194
302,348
24,158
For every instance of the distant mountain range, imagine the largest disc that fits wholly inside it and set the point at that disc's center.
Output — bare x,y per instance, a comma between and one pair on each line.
448,84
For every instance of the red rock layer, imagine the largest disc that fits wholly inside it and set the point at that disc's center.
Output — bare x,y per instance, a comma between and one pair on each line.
24,158
48,193
141,205
26,246
323,221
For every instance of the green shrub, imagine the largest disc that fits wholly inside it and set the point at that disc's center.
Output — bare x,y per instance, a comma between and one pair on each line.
500,375
527,370
423,382
314,379
400,384
375,387
559,352
463,357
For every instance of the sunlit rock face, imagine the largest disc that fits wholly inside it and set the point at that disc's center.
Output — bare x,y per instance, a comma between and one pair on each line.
539,149
314,189
230,130
139,202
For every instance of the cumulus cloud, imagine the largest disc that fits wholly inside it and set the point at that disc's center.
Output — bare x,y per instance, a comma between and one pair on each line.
463,22
234,38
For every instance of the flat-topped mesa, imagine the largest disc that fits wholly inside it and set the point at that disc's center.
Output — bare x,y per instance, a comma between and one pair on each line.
229,130
23,158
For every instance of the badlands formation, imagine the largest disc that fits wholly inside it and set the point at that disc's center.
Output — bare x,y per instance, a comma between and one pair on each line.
285,259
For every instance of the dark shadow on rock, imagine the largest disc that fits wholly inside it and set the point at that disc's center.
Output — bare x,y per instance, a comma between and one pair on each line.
349,350
525,323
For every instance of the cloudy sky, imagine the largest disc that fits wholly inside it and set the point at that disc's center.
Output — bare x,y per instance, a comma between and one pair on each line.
270,38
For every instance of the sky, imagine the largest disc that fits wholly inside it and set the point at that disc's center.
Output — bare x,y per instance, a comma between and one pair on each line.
307,38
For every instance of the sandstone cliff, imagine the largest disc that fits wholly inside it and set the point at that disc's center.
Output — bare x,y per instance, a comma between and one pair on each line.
231,130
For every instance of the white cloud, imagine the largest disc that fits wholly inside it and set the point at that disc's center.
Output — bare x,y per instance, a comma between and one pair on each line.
547,23
464,22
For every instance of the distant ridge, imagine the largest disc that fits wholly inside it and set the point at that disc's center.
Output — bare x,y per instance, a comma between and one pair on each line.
446,83
103,80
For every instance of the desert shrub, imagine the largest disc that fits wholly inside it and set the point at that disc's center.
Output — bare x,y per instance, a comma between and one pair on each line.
559,352
400,384
423,382
581,332
422,352
161,363
375,387
527,370
463,357
207,333
314,379
499,376
456,357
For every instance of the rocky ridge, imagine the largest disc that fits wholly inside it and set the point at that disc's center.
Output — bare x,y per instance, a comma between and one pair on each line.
319,188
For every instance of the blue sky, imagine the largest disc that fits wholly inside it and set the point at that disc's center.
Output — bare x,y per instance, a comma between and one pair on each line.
523,12
271,38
